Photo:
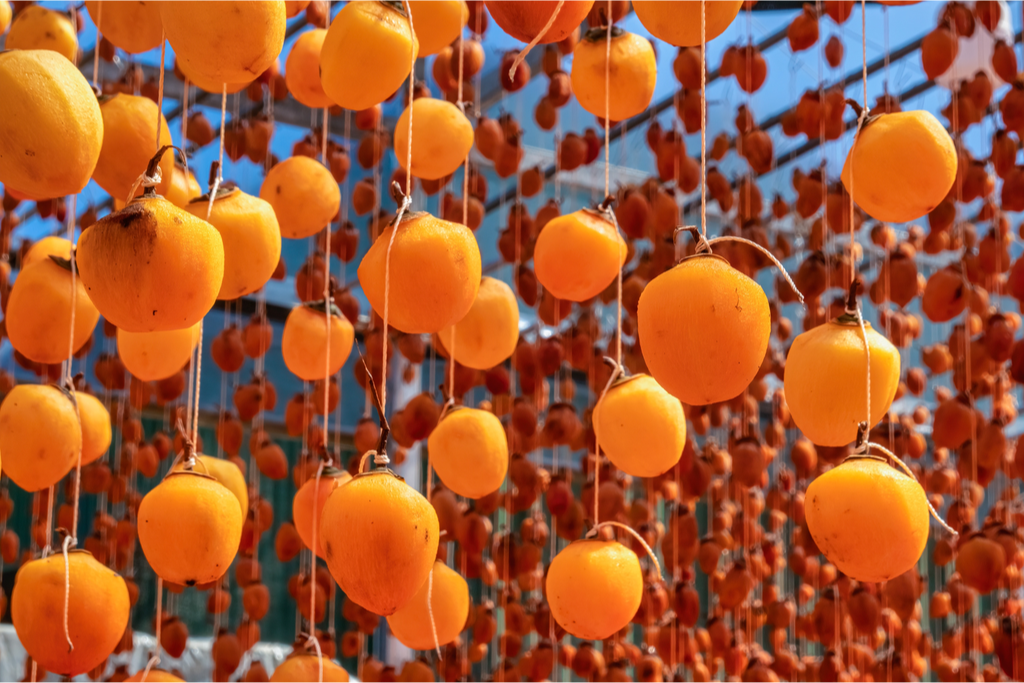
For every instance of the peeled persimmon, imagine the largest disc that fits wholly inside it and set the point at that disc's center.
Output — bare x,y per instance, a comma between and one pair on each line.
227,473
53,130
308,504
901,166
39,312
96,430
441,138
306,667
189,528
578,255
40,435
469,450
594,588
51,245
380,539
152,356
366,54
868,518
304,341
525,19
129,140
97,611
437,23
38,28
632,72
831,356
488,333
302,69
420,628
703,329
639,406
154,676
434,271
183,188
304,195
252,239
678,22
134,27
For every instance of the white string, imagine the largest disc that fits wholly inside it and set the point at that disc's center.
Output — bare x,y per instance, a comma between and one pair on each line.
703,120
430,611
67,590
650,553
770,255
155,658
521,57
312,570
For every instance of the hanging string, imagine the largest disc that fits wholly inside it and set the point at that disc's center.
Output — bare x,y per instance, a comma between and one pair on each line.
327,297
521,57
155,658
703,120
67,588
312,640
632,532
96,50
160,89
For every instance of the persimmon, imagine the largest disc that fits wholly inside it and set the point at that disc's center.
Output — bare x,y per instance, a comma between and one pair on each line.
632,73
304,195
306,667
832,355
209,47
38,320
638,405
6,14
304,339
129,141
40,436
51,245
252,239
869,519
53,126
96,611
488,333
189,528
135,27
578,255
441,138
945,295
227,473
366,55
525,19
594,588
980,562
469,450
38,28
415,626
308,504
434,271
302,69
437,23
679,22
183,188
154,675
153,356
904,163
706,345
96,429
380,540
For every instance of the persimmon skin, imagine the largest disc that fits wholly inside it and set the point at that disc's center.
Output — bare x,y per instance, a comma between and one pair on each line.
631,80
252,240
96,429
524,20
594,588
469,450
227,473
678,23
307,668
183,188
901,166
704,329
38,313
488,333
174,286
869,519
578,255
154,676
377,526
39,435
189,528
825,386
129,141
51,245
303,513
304,195
97,609
449,601
639,406
152,356
207,41
435,273
49,108
6,14
441,138
366,54
437,23
302,69
38,28
134,27
304,339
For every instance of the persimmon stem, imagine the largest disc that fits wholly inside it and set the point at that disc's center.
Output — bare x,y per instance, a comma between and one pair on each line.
381,456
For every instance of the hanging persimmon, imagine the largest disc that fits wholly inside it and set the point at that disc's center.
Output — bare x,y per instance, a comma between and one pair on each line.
488,333
420,626
380,539
308,504
594,588
441,138
708,345
152,356
638,405
227,473
901,166
135,27
53,126
525,19
938,51
631,73
303,666
155,676
304,195
366,54
40,435
302,70
305,338
469,450
183,188
434,273
128,143
94,611
437,23
96,429
38,28
579,254
679,22
184,508
802,32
